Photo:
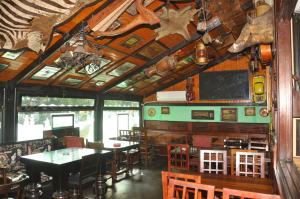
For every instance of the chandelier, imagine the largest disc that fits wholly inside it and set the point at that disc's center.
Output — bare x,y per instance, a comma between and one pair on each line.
81,54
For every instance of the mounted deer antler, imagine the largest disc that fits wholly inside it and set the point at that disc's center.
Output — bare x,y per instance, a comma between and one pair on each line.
145,17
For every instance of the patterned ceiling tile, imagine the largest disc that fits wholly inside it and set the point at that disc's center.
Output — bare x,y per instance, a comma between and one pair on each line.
152,50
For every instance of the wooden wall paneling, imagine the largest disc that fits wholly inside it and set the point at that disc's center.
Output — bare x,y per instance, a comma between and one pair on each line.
284,77
296,104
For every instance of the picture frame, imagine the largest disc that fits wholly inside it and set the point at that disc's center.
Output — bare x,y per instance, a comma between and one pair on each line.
250,111
296,137
165,110
203,114
229,114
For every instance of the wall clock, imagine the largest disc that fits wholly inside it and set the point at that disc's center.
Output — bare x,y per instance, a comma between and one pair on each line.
151,112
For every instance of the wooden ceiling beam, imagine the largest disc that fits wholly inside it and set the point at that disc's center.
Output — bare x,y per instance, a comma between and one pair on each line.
49,51
152,62
209,65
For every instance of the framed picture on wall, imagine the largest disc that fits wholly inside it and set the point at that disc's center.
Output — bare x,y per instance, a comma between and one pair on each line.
165,110
249,111
203,114
296,137
229,114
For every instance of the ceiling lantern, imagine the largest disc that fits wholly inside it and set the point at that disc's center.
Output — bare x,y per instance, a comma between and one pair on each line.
201,54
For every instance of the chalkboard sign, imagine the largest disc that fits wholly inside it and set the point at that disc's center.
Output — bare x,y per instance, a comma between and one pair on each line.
224,85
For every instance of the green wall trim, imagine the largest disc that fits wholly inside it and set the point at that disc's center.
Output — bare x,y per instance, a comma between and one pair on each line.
184,114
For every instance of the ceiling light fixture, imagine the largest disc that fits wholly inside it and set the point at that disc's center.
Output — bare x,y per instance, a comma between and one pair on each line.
81,54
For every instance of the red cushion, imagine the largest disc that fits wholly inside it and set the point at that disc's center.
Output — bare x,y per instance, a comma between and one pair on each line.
73,141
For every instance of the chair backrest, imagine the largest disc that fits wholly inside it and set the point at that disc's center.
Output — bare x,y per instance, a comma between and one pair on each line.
250,164
94,145
213,161
178,157
233,156
125,135
228,193
258,144
167,175
73,141
186,188
89,166
201,141
16,187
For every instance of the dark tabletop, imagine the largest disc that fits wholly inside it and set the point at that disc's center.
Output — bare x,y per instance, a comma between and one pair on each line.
109,144
62,156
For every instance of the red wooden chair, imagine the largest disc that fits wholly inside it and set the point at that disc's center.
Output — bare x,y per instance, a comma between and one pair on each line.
187,187
178,157
167,175
73,141
229,193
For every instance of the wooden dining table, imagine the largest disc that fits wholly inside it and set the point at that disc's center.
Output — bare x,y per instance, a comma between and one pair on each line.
59,164
261,185
118,146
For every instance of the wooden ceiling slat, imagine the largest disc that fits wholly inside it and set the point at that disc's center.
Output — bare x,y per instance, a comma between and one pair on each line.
58,44
150,63
210,64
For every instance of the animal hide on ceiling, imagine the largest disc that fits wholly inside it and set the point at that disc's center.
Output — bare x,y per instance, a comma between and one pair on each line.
258,30
173,21
24,26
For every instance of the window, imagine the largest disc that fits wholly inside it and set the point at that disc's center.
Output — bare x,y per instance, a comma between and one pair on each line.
119,115
120,103
116,120
42,113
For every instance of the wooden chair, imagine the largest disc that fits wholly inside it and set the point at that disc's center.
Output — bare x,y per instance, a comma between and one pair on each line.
233,158
125,135
166,176
13,188
178,157
146,148
94,145
198,142
228,193
89,170
258,144
250,164
73,141
186,189
213,161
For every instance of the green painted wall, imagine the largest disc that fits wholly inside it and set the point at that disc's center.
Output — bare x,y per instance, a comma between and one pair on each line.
183,113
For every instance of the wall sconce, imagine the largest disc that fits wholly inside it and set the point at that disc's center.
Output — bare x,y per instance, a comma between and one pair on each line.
201,54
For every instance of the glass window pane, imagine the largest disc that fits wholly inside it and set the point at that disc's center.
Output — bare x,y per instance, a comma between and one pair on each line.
116,120
120,103
55,101
32,124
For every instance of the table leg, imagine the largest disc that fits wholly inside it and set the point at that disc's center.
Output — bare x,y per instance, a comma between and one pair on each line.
60,181
33,190
101,187
114,167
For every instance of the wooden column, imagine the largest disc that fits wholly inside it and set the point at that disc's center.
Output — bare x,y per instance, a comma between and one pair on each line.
9,115
98,123
284,93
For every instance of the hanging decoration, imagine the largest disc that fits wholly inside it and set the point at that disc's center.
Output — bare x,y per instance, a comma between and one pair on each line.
256,31
163,67
173,21
145,17
190,94
201,54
